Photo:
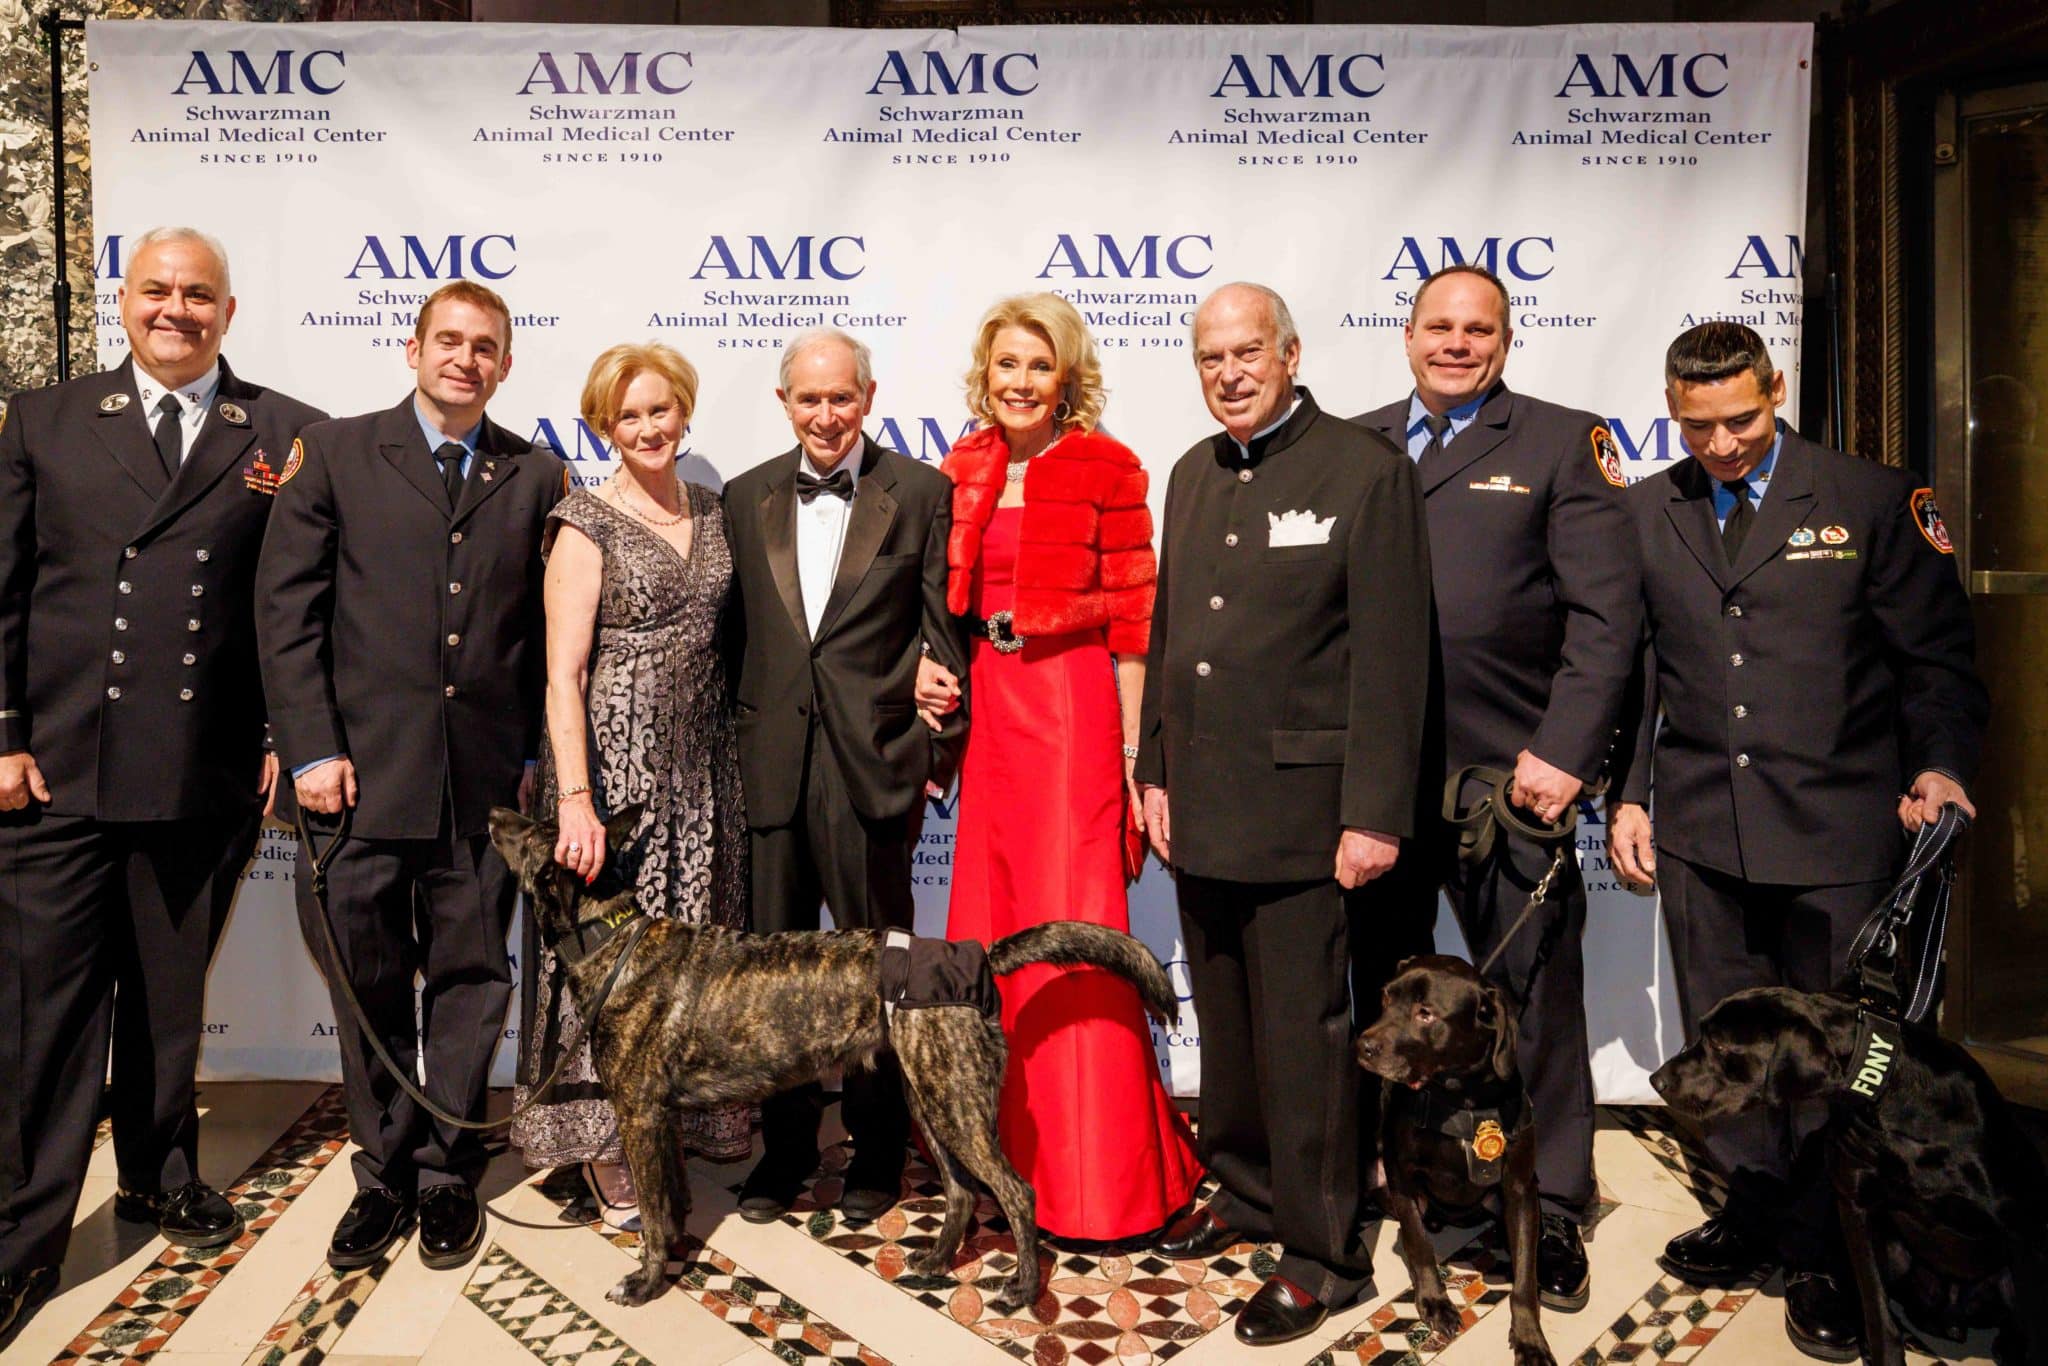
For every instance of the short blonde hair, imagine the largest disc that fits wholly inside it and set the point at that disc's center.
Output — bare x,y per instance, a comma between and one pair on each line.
1073,351
619,366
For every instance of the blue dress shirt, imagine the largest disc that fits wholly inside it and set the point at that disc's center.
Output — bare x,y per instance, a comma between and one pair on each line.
1418,435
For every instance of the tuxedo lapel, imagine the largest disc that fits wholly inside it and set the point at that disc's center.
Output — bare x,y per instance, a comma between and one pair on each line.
778,538
401,442
227,432
867,527
124,431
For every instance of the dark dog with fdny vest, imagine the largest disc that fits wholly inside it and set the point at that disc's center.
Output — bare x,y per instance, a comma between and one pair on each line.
1456,1131
1944,1202
699,1016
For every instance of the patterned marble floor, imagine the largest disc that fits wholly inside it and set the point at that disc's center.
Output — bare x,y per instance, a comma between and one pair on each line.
811,1289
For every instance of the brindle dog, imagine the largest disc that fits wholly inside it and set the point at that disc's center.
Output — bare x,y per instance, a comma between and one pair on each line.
702,1016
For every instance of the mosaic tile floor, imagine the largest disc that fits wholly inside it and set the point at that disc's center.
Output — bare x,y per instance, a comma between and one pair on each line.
812,1288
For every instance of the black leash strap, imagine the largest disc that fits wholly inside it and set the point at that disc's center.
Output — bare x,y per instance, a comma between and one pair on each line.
1897,936
321,857
1478,827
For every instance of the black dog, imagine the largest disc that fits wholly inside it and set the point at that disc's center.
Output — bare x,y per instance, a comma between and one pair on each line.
1456,1130
1944,1202
702,1017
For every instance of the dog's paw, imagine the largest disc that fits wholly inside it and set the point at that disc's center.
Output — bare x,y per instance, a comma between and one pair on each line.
1442,1317
637,1288
1535,1353
930,1263
1016,1295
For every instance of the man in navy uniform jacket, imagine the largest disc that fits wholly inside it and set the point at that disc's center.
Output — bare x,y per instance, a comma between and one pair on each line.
1809,646
133,774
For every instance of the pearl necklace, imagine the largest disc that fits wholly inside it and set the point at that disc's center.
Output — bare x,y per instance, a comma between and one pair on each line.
619,492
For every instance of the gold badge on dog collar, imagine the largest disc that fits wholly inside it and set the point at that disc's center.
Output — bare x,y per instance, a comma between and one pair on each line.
1488,1142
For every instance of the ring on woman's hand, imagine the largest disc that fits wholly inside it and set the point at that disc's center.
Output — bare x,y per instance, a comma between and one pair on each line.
575,848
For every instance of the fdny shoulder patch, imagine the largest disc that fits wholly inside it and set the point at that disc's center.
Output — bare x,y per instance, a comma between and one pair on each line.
292,463
1607,455
1927,517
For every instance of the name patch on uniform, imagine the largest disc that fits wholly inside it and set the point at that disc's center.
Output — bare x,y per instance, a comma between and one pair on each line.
1298,528
1607,455
259,477
1500,483
1927,517
1820,554
292,463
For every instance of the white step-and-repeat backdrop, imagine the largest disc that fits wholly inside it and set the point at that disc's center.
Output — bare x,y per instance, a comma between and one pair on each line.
722,189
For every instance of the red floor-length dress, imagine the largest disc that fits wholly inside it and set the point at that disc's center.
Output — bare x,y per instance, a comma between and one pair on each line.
1084,1117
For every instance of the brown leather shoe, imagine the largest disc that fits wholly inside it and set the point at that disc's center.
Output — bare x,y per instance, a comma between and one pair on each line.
1280,1312
1198,1233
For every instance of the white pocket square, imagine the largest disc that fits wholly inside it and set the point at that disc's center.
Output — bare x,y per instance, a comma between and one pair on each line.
1298,528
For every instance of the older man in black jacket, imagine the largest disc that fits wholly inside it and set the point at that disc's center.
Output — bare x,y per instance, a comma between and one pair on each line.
1279,744
403,656
1537,614
1810,648
132,767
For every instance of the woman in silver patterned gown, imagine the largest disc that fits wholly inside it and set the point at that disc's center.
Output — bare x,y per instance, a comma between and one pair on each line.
637,574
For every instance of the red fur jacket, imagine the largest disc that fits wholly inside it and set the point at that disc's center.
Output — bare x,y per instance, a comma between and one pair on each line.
1086,558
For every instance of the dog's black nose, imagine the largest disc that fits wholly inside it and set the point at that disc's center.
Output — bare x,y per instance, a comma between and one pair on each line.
1368,1048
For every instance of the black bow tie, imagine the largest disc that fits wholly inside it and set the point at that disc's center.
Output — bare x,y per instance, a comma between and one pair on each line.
839,484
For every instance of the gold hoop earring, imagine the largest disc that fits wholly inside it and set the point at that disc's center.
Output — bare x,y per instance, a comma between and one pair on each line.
1064,413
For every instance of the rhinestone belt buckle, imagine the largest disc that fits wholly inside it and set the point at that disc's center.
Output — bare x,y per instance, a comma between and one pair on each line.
1005,640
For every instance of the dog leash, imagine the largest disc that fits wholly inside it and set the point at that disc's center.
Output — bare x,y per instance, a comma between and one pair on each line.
1889,934
1478,827
320,859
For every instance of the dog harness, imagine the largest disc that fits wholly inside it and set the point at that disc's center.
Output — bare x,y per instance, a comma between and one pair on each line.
915,973
1482,1132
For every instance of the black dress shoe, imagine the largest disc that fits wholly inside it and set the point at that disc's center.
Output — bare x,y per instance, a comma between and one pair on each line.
1563,1280
870,1192
1716,1253
1198,1233
375,1220
451,1225
21,1293
1821,1319
194,1215
771,1188
1281,1312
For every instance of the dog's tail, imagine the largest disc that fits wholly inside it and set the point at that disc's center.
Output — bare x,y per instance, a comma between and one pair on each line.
1075,943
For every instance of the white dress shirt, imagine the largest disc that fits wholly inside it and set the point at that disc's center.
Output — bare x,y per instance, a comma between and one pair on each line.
820,535
194,402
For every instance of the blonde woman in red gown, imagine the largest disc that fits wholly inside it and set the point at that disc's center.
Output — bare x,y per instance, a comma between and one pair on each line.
1052,545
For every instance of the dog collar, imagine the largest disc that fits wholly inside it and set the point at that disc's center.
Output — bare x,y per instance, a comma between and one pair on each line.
1480,1131
592,934
1871,1065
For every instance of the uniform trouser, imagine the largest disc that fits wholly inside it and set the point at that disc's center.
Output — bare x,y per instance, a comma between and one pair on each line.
438,909
106,931
860,869
1728,935
1543,971
1269,966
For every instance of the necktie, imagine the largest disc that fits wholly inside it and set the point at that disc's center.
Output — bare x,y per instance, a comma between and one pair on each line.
839,484
450,458
1439,427
1739,517
170,435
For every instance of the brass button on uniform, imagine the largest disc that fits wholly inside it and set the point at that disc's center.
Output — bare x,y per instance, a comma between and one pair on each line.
1740,711
455,538
1735,660
1244,476
125,586
1734,609
1216,604
202,555
120,657
129,553
1742,761
1231,539
448,691
191,658
113,694
454,588
120,623
198,590
1202,669
454,639
184,694
191,623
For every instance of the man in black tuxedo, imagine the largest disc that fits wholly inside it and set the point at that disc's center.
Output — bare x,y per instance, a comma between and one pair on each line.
1810,648
133,773
1537,614
839,583
1278,751
403,656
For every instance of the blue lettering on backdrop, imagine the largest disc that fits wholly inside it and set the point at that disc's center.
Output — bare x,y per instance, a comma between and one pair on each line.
836,258
106,265
245,77
1518,261
931,444
451,260
585,444
1184,256
1654,445
1756,256
1661,81
975,75
589,76
1314,82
